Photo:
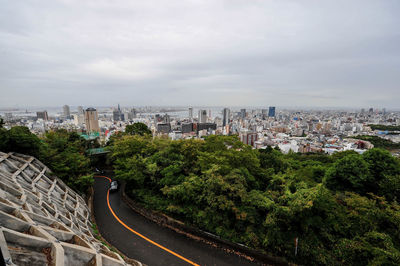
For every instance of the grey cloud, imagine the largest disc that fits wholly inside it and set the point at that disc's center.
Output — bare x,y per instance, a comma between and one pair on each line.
303,53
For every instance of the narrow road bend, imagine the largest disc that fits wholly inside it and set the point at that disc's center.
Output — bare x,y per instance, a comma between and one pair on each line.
146,241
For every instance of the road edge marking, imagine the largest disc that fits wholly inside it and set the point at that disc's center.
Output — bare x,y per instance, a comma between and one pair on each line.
139,234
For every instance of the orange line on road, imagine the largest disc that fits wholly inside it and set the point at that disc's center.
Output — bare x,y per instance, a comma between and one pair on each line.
139,234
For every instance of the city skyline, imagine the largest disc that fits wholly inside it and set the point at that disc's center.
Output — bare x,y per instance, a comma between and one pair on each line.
200,132
66,110
215,53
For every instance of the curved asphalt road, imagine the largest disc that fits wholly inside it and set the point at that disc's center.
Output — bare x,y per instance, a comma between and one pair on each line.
137,248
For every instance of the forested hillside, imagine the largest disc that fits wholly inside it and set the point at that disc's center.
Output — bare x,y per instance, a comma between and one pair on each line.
63,152
343,208
379,142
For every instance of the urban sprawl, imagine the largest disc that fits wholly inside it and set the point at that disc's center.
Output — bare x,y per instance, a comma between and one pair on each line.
303,131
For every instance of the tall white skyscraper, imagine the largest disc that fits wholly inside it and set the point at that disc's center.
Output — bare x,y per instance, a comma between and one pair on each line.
66,112
78,119
202,116
190,112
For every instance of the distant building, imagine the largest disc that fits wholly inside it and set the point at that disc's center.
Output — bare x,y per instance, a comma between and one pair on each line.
42,115
226,117
8,117
80,110
243,113
126,116
187,127
91,120
264,113
167,118
206,126
190,112
79,119
175,135
118,115
130,115
202,116
133,114
271,111
248,138
66,112
371,110
158,119
164,127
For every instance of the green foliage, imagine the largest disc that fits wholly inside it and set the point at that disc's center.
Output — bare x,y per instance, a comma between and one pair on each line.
63,152
339,155
379,142
343,208
4,140
21,140
65,155
372,237
270,158
381,163
137,129
349,173
384,127
376,171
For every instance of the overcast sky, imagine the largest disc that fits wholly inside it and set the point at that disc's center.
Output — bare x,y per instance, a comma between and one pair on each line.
200,52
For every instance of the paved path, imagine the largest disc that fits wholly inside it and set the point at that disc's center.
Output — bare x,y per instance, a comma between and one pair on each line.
185,251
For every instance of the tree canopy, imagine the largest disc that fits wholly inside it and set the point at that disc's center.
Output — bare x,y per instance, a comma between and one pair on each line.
384,127
137,129
63,152
379,142
343,209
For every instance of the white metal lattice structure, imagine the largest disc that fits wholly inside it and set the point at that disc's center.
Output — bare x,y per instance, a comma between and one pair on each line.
43,221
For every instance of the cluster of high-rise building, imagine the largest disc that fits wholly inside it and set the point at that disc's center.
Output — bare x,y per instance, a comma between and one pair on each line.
119,115
295,130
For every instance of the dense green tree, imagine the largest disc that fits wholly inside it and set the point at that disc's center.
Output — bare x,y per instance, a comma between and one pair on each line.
379,142
63,152
339,155
20,139
385,170
65,155
4,140
381,163
350,173
384,127
265,199
271,158
137,129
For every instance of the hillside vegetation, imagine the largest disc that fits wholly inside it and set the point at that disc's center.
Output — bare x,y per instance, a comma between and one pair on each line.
379,142
343,208
63,152
384,127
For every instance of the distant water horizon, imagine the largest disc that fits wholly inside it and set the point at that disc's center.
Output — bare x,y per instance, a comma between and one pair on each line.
182,111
